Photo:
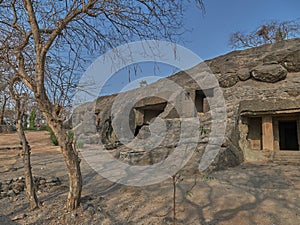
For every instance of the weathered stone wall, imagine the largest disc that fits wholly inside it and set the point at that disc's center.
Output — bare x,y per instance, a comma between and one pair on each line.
268,72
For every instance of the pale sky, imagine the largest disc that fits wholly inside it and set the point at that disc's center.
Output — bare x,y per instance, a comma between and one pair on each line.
211,32
209,36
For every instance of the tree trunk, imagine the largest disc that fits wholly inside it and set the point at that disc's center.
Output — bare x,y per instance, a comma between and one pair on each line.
75,179
3,110
54,120
72,162
30,189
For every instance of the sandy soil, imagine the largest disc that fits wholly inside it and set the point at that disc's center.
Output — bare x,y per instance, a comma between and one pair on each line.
250,194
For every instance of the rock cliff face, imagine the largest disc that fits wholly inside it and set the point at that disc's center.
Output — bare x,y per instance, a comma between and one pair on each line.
256,83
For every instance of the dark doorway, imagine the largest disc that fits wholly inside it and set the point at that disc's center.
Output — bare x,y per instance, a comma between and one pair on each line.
150,114
288,135
199,99
137,130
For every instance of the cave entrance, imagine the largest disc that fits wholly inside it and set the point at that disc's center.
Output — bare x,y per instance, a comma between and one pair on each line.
150,114
288,135
137,130
201,101
145,114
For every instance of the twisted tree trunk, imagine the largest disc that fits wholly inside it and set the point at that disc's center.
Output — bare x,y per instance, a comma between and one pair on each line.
30,188
26,151
75,178
72,161
3,110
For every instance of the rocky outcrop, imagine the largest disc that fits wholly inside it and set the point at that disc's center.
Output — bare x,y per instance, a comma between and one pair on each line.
266,77
269,59
269,73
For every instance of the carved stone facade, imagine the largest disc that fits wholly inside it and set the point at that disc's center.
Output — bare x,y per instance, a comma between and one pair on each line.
261,88
269,128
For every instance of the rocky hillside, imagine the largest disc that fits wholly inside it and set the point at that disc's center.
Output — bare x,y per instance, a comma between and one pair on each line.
266,72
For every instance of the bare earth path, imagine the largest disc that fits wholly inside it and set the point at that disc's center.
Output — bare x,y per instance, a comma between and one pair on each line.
261,194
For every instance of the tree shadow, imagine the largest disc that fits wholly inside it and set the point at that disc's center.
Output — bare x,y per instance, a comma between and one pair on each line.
261,185
5,220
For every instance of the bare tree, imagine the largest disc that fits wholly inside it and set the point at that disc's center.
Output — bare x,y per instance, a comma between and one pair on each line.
19,93
268,33
15,90
4,98
46,35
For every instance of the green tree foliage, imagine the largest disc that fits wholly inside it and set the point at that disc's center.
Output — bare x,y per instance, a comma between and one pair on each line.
25,122
52,136
32,119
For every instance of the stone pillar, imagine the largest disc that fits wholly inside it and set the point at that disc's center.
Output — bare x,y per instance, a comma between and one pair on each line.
187,106
267,133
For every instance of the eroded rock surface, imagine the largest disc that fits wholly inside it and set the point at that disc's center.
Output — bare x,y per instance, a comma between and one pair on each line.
269,73
256,74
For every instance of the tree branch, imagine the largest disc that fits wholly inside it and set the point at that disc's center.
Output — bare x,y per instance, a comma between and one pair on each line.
34,24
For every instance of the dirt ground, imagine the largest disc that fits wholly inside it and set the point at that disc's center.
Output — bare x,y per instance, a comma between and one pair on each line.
250,194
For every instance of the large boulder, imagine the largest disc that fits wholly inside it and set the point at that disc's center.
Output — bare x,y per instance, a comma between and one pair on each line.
292,61
269,73
244,74
228,79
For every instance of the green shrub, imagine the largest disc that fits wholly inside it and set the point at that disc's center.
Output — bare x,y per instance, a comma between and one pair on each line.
44,127
25,122
79,144
52,136
71,134
32,119
30,128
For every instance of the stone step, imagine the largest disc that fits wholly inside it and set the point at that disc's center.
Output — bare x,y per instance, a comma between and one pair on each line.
287,157
286,162
9,158
280,153
8,148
